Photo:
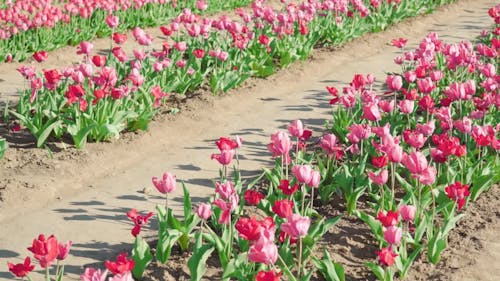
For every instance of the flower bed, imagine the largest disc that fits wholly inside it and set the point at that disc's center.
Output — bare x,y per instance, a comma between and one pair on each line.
39,25
105,95
416,155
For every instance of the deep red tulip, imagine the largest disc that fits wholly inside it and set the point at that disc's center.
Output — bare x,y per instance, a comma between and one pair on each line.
21,269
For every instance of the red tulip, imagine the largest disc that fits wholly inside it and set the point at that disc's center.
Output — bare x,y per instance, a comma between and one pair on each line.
45,250
388,219
21,269
286,188
138,220
283,208
387,256
121,265
270,275
457,192
248,228
40,56
253,197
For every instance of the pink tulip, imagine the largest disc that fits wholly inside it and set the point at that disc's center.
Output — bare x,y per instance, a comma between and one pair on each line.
139,54
92,274
393,235
414,138
394,82
225,190
428,175
406,106
315,179
426,129
201,5
371,112
296,128
329,144
358,132
296,225
407,212
225,157
386,106
180,46
303,173
379,179
225,207
85,48
464,125
280,144
64,250
112,21
166,184
204,211
127,276
415,162
436,75
263,251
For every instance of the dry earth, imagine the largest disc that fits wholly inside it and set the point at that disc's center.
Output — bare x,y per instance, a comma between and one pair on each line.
83,195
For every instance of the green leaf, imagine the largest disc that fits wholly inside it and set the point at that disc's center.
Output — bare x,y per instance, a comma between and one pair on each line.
80,139
46,130
197,262
3,147
165,244
436,245
377,270
188,211
330,270
142,257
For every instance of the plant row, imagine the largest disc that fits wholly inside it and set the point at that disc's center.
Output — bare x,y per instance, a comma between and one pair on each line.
106,94
30,26
418,155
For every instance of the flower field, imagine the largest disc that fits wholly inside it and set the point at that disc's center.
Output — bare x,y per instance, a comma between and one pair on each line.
375,189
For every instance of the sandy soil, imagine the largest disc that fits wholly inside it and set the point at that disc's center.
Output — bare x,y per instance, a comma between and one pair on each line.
83,195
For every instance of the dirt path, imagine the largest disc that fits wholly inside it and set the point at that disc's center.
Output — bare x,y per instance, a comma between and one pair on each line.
83,195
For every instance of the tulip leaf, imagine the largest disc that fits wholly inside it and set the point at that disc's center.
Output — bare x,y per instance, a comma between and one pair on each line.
197,262
3,147
165,244
142,257
46,130
330,270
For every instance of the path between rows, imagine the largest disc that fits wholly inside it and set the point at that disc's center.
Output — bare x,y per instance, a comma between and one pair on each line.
86,201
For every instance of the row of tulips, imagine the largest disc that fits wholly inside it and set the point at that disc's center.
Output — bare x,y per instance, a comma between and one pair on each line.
104,95
40,25
417,154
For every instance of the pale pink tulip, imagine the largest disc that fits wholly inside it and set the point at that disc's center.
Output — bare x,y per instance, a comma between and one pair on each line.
166,184
296,128
407,212
379,179
296,225
393,235
303,173
204,211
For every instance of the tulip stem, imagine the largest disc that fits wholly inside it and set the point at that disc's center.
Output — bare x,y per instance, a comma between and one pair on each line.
393,182
47,277
288,271
57,269
312,198
166,203
299,268
304,191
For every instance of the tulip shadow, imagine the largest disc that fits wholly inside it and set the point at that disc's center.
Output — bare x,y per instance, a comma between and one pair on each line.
188,167
8,254
132,197
200,182
88,203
